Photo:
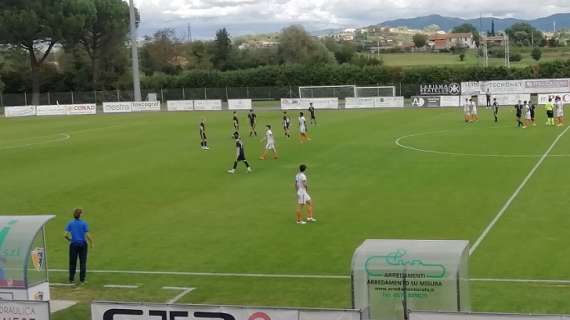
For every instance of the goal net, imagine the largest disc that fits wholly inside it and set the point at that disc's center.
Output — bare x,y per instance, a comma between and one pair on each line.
340,92
384,91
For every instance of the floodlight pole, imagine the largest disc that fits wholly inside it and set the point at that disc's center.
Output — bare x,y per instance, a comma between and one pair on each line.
135,53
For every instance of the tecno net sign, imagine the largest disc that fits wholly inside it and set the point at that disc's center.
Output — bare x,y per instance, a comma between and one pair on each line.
446,89
128,311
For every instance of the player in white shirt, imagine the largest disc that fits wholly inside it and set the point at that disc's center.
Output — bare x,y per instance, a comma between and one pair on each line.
303,198
527,115
559,113
473,110
467,110
303,136
269,143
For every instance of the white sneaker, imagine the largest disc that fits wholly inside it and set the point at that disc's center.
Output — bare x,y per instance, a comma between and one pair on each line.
301,222
206,148
232,171
249,169
311,220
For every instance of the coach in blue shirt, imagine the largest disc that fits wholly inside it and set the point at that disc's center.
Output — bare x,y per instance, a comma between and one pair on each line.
77,233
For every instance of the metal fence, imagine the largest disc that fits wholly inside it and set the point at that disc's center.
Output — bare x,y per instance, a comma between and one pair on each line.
163,95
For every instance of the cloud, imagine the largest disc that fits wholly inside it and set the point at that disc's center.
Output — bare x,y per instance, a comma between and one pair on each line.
271,15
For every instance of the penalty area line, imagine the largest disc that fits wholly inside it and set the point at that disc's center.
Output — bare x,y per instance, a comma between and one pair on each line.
515,194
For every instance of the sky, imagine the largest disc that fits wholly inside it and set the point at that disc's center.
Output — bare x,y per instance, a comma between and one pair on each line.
260,16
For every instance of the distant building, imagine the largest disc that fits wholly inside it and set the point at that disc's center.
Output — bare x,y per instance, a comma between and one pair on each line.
451,40
345,35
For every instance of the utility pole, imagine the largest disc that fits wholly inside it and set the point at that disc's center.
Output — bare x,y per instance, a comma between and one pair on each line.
135,53
189,39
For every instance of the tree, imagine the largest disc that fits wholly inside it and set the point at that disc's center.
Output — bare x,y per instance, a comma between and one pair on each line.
161,53
297,46
420,40
523,34
468,28
536,54
343,51
222,49
104,36
38,25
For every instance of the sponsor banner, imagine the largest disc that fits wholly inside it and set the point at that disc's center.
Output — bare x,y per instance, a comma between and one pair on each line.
116,107
357,103
516,86
26,111
481,316
78,109
208,105
453,89
240,104
452,101
543,98
389,102
426,102
54,110
504,99
132,311
180,105
145,106
37,310
318,103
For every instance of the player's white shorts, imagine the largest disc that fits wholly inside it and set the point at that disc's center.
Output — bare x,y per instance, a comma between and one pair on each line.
527,116
560,112
474,111
466,111
270,146
302,130
303,197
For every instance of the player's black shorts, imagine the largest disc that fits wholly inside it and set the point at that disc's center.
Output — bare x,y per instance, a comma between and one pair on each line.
550,114
286,126
241,157
313,117
203,136
252,124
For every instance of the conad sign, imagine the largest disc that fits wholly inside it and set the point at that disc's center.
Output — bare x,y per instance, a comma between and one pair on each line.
131,311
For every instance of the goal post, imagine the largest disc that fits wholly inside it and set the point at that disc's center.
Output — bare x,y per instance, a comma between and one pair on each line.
341,91
375,91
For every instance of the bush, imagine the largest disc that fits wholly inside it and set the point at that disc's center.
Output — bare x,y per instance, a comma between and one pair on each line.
536,54
515,57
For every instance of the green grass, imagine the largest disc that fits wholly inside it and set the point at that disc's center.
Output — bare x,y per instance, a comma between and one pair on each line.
435,59
156,202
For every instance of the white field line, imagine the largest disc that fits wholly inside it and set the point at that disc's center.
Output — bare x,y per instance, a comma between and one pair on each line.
62,137
293,276
184,292
515,194
57,284
121,286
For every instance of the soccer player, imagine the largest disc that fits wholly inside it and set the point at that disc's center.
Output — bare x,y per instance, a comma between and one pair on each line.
518,113
240,154
79,238
496,109
466,110
473,110
559,112
303,136
527,116
488,96
269,143
252,121
286,124
236,122
312,112
532,113
203,138
549,107
303,198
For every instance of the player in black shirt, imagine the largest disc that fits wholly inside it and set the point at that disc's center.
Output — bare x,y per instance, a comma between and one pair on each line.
312,112
286,124
488,96
236,122
203,138
496,109
252,121
240,154
518,112
532,108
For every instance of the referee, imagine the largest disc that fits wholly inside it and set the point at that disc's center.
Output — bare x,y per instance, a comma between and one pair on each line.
77,233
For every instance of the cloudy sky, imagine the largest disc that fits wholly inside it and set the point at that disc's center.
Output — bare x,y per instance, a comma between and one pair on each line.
254,16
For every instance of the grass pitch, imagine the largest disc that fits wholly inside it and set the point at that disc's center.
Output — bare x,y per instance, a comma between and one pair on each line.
156,202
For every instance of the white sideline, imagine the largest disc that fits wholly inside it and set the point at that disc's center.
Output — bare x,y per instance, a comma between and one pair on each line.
515,194
293,276
121,286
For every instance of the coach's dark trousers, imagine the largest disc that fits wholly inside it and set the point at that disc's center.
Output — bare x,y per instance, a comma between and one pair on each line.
77,250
